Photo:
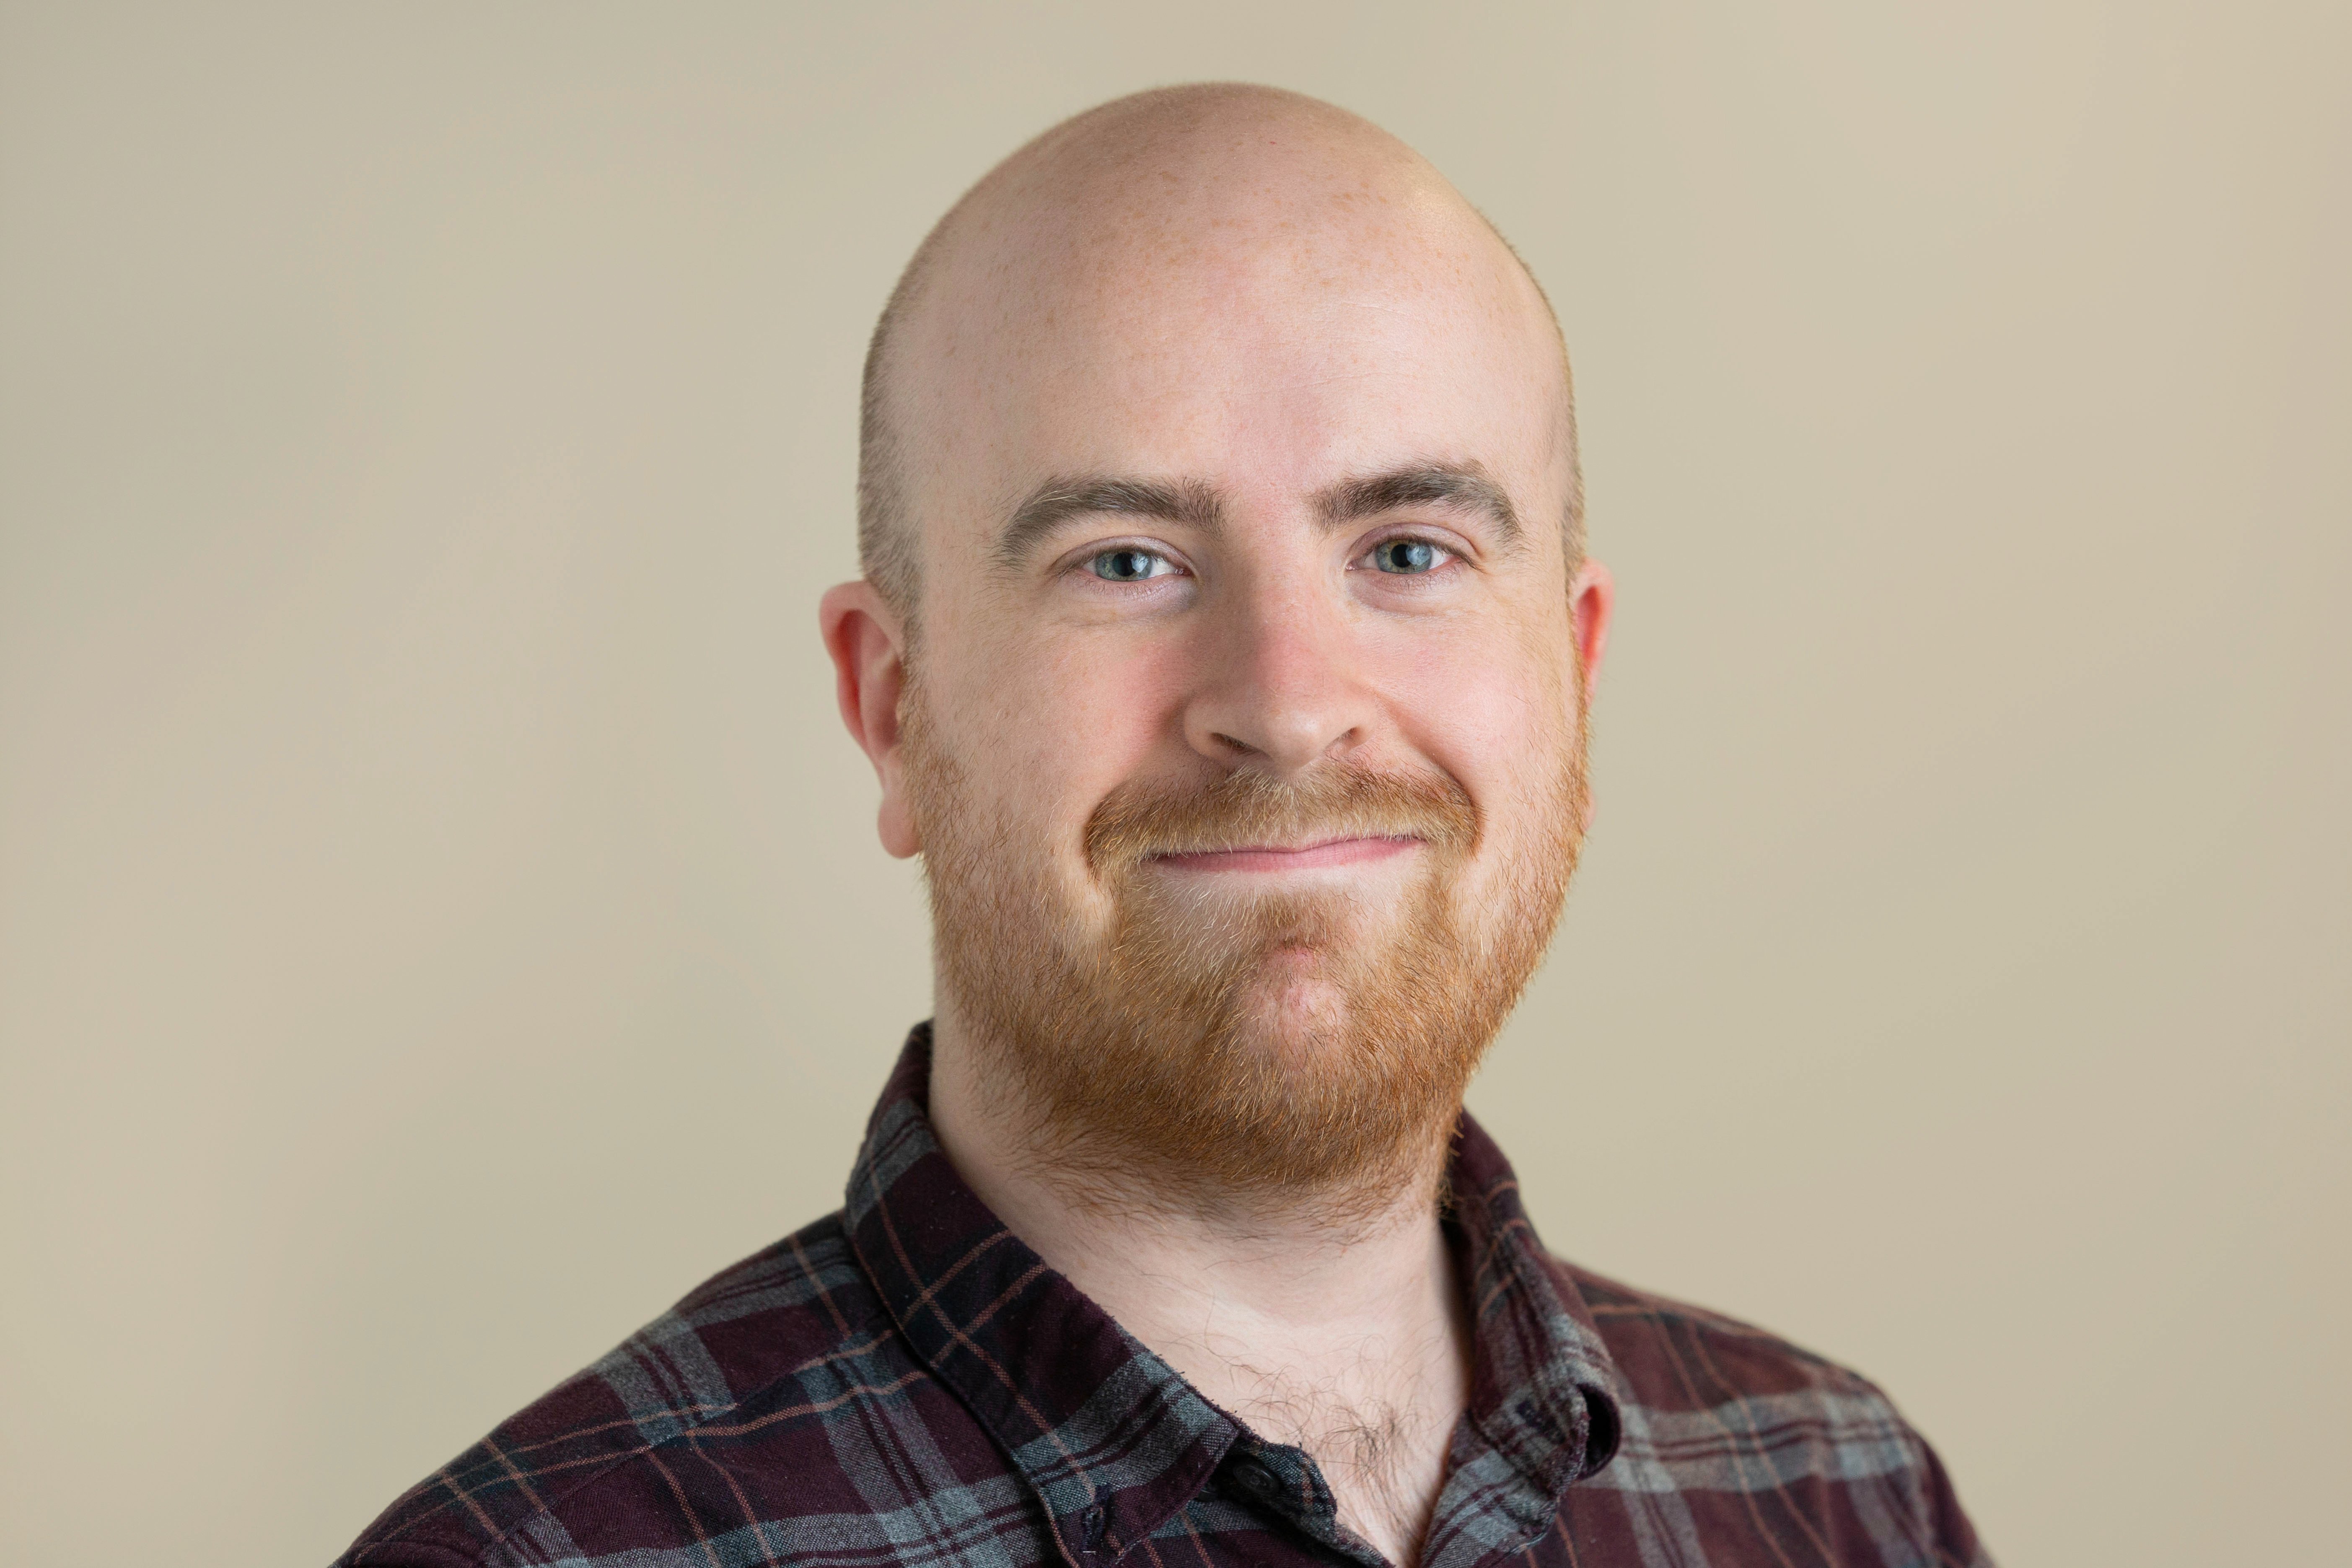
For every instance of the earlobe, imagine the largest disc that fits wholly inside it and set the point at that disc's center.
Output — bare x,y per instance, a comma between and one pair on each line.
896,824
864,635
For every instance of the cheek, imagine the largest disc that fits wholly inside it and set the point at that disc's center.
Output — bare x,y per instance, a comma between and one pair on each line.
1491,710
1047,731
1497,715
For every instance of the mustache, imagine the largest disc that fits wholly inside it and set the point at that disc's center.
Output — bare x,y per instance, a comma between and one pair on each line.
1249,809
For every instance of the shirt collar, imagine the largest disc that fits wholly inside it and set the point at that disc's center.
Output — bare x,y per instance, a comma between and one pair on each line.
1115,1442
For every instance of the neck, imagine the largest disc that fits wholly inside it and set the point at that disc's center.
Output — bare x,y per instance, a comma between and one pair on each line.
1348,1339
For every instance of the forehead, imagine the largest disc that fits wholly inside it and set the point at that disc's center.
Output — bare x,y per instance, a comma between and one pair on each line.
1268,346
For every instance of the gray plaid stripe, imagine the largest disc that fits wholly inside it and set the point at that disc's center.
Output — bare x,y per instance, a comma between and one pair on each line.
1475,1513
900,1136
665,1378
920,1512
778,1283
1894,1510
541,1540
974,1526
814,1541
1757,1444
1142,1418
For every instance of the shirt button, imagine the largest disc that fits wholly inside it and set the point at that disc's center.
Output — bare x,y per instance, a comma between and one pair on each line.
1254,1476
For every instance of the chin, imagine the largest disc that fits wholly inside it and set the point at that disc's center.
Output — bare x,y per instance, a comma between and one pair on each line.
1295,1011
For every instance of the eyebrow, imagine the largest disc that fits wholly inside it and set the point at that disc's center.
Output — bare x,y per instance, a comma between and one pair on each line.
1464,487
1057,501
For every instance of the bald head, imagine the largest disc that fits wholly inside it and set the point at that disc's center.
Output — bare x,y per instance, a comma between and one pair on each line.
1123,234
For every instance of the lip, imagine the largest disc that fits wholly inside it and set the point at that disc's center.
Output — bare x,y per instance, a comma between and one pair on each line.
1279,858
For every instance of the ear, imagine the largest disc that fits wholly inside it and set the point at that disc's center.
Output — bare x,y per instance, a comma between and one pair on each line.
868,642
1591,599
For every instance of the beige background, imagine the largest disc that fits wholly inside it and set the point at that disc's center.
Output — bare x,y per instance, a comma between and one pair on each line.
439,916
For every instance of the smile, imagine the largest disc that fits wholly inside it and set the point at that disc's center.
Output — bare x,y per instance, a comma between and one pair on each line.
1277,858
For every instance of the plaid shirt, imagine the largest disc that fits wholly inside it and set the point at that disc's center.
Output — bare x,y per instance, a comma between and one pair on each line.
905,1382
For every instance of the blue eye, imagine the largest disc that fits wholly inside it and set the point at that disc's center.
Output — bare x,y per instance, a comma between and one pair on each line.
1405,555
1123,566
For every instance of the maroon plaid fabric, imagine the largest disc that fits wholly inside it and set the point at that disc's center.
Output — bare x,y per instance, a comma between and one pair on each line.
905,1383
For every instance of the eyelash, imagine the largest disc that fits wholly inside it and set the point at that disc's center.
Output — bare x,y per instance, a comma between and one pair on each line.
1447,555
1086,565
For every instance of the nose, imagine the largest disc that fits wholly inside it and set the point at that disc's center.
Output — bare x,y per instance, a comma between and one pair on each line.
1280,683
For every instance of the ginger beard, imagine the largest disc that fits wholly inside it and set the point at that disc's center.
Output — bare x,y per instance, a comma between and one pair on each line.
1230,1052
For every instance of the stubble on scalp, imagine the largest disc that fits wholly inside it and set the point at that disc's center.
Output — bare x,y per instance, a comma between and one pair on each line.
1139,1060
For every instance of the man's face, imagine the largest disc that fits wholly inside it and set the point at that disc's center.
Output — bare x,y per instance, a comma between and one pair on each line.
1245,729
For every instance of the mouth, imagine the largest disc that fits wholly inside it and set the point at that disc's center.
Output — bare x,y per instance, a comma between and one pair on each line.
1264,857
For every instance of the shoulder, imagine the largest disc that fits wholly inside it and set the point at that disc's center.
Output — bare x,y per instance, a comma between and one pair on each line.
1710,1406
751,1337
1671,1352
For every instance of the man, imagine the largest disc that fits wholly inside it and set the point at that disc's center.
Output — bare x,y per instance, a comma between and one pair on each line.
1225,647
